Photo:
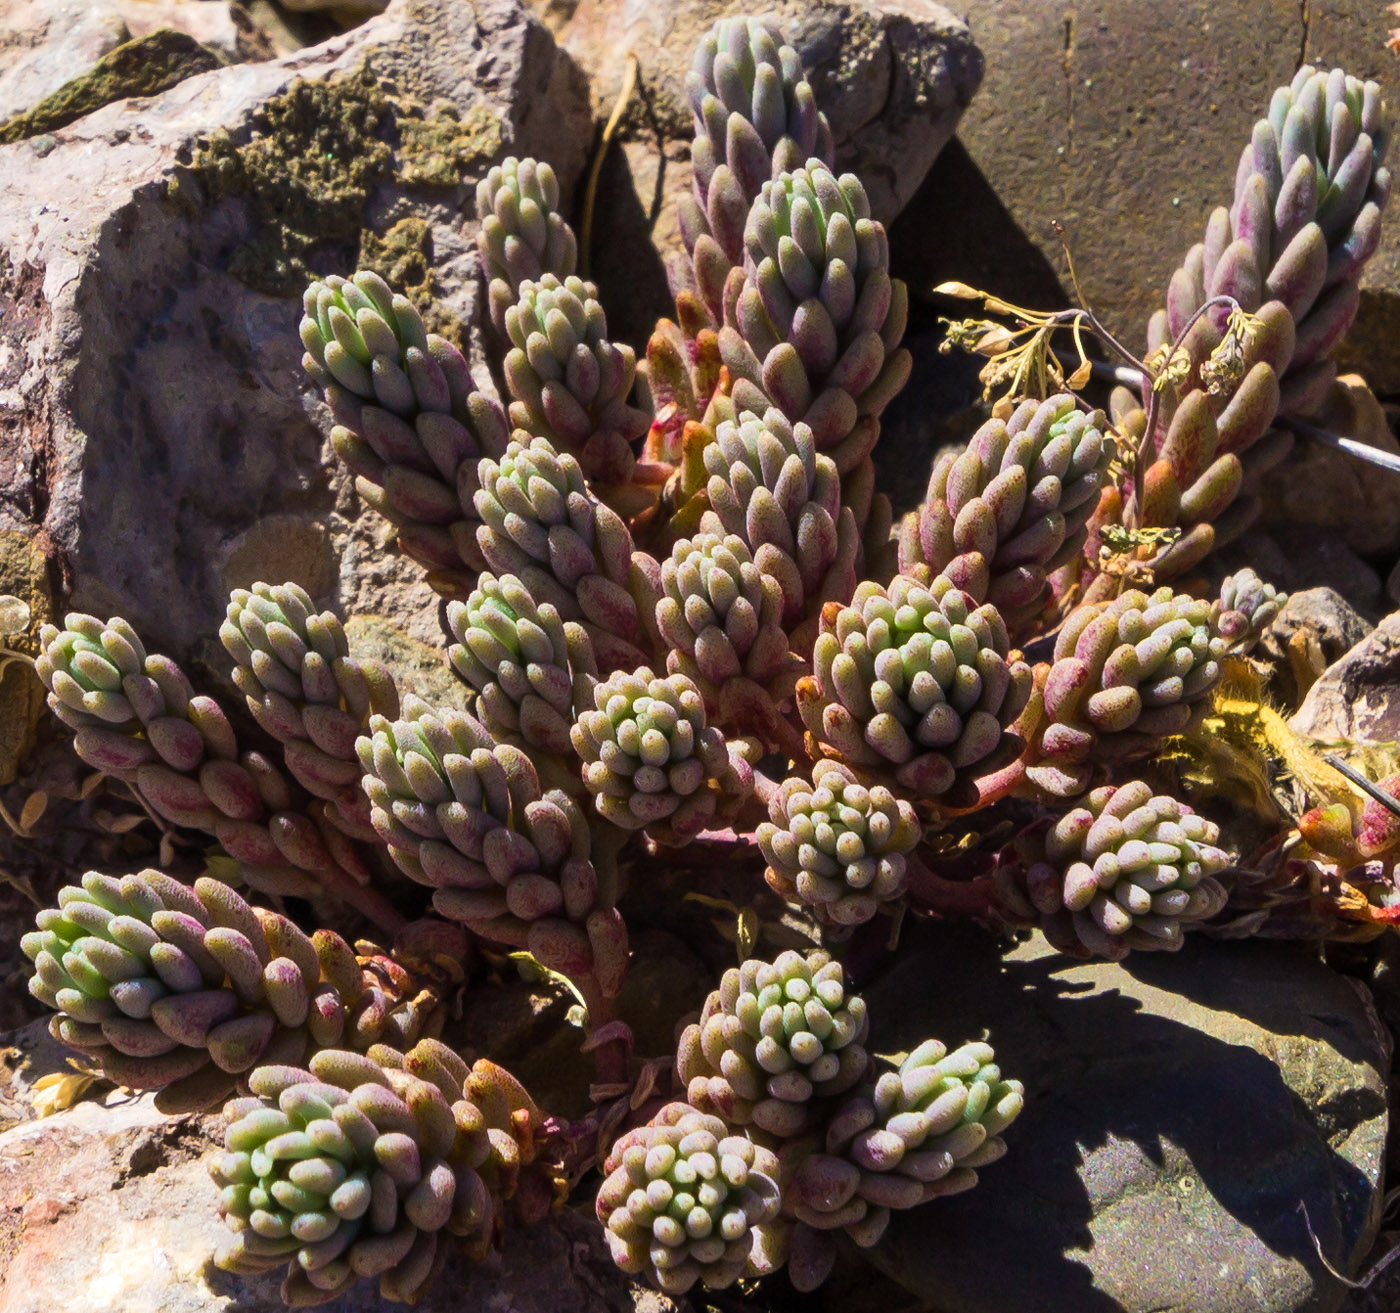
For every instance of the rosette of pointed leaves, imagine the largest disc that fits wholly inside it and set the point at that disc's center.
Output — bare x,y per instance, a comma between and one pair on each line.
1305,220
294,667
769,486
570,383
1013,506
755,118
183,990
817,327
361,1165
1246,607
651,760
1126,673
837,845
467,816
918,1133
523,236
1130,869
522,660
686,1201
541,523
410,422
136,717
772,1038
723,620
917,681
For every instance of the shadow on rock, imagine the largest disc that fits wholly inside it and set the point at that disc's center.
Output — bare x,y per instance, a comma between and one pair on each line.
1177,1113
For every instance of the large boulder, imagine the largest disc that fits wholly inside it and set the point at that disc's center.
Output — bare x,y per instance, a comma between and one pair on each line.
156,437
1180,1108
1125,122
1357,699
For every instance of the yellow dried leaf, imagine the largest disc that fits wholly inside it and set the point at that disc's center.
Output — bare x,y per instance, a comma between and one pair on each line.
14,615
59,1090
32,810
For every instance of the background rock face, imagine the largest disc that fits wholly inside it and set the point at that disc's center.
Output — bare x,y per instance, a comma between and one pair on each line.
892,76
1125,121
1178,1108
154,420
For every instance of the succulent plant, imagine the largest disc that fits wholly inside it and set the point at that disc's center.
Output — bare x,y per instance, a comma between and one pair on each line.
1305,220
1126,671
650,759
837,845
185,989
916,1134
570,383
1245,609
722,617
772,1038
664,638
410,421
294,668
817,327
540,522
523,235
522,660
467,816
755,118
683,1199
137,717
361,1167
770,487
1129,869
1013,507
916,682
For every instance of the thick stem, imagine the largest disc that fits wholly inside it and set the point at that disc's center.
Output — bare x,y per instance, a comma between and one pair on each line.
932,893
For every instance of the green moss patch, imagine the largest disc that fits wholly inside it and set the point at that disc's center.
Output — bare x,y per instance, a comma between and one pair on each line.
144,67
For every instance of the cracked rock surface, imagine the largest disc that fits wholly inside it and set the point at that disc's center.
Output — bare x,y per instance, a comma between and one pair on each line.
1179,1107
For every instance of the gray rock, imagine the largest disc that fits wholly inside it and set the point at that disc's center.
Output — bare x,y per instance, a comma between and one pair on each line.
108,1205
1125,122
893,77
1357,699
45,43
1179,1107
155,425
1326,615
